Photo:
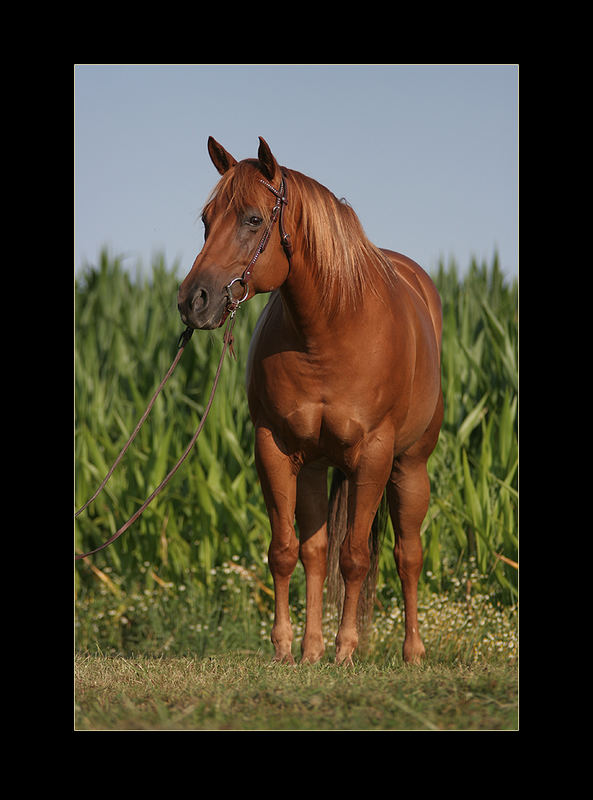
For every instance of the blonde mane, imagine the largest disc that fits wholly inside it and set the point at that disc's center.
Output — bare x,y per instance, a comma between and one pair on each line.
345,263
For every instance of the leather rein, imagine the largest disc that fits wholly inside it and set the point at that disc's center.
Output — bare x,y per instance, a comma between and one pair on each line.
229,312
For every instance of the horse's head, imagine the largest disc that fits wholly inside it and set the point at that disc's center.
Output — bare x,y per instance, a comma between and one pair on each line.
239,226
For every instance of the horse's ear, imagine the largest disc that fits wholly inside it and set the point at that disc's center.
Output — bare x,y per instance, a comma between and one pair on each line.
269,165
222,160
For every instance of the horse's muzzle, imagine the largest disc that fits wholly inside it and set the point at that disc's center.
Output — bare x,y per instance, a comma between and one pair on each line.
201,308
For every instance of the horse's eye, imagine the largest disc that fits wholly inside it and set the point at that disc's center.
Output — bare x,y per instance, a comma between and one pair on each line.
254,221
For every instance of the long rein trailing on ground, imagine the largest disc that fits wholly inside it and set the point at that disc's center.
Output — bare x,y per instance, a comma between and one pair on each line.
229,316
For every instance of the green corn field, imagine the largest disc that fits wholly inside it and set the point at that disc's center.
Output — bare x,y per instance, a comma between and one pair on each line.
212,512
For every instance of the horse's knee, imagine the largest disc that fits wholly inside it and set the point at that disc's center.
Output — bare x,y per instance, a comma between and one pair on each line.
283,556
313,552
354,562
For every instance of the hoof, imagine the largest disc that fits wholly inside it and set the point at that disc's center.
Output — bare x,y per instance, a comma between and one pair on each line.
287,658
344,657
346,643
311,658
312,650
414,653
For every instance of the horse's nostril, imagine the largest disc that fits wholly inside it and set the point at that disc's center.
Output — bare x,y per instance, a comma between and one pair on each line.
200,300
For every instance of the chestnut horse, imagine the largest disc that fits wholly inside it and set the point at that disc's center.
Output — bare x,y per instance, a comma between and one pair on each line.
343,371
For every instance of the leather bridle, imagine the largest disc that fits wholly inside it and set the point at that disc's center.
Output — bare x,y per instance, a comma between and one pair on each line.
281,201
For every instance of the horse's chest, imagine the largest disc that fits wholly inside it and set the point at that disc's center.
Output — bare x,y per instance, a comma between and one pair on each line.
312,419
288,400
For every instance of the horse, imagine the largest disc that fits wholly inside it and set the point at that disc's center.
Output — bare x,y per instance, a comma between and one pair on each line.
343,371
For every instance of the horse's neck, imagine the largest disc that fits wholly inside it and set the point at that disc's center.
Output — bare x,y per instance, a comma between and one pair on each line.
302,302
306,311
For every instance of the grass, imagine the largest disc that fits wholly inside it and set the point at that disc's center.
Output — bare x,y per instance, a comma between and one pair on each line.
171,659
248,692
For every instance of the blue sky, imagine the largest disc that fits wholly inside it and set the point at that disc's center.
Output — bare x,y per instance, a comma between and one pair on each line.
426,155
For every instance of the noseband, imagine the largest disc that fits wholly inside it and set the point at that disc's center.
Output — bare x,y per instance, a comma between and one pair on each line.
281,201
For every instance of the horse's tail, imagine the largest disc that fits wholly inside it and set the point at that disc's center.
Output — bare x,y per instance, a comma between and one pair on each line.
336,531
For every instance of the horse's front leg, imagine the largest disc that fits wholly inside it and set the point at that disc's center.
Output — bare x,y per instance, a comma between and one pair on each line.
366,485
311,516
278,480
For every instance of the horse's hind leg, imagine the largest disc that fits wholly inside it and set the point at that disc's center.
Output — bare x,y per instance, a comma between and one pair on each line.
311,516
408,493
